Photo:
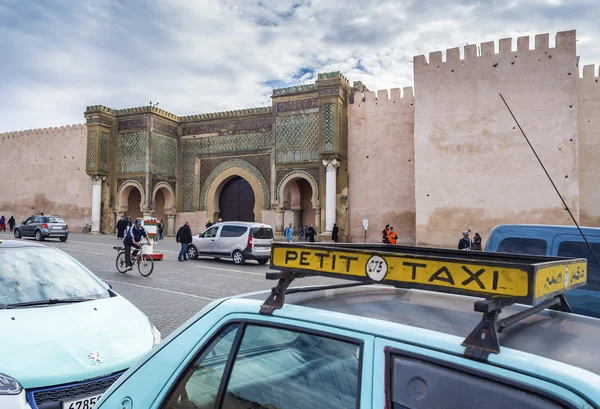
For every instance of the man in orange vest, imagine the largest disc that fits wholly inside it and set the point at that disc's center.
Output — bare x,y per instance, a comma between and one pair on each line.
392,236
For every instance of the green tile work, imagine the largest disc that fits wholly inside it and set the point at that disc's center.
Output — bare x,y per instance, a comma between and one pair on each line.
132,152
164,155
92,149
104,151
222,144
297,138
328,127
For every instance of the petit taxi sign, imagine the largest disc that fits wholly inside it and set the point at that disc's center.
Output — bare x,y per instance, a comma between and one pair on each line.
526,282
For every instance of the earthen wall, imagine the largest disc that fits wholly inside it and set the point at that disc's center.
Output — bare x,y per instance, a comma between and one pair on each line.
588,116
381,164
473,168
43,170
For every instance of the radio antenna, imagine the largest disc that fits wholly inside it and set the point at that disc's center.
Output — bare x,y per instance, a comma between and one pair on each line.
551,181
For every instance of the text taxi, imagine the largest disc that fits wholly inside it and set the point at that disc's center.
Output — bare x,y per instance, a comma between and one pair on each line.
403,327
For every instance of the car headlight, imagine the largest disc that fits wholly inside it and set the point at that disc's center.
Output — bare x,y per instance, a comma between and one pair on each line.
155,334
9,386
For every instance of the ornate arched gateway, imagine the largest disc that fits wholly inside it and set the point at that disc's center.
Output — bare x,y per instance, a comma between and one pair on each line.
233,181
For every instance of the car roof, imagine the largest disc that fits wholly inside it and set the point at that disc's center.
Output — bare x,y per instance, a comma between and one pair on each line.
545,228
246,224
11,244
563,337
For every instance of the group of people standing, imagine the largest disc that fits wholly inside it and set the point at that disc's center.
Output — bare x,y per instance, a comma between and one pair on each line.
305,233
126,222
467,244
11,223
389,236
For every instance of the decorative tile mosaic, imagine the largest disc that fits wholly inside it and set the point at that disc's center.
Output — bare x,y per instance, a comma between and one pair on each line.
329,91
328,127
297,138
222,128
239,163
132,150
104,151
297,104
133,124
164,128
92,149
224,144
164,155
99,120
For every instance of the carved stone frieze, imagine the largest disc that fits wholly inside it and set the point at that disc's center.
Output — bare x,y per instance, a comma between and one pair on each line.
252,124
133,124
164,128
297,104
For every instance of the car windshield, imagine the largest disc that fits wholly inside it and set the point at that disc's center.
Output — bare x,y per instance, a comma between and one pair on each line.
30,274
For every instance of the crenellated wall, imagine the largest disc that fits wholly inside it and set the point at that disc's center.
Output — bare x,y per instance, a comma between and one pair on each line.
473,168
43,170
381,164
588,117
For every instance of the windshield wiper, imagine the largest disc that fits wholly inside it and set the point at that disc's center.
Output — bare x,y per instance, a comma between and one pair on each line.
44,302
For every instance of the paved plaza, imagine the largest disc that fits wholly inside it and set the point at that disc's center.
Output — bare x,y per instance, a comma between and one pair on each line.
176,290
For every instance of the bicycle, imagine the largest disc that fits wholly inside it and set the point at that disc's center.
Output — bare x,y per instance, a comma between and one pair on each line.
144,262
86,228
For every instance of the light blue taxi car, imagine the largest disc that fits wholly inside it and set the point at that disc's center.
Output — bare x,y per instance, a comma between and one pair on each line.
446,330
65,336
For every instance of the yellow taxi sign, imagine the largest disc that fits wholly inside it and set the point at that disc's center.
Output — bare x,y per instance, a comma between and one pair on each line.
525,279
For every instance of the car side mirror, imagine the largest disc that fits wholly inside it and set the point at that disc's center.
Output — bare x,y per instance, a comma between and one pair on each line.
109,286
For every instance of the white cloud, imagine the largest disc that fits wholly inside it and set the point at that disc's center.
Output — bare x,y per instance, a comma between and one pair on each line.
205,56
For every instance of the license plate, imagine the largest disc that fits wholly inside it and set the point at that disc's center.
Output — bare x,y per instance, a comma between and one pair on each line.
57,228
85,403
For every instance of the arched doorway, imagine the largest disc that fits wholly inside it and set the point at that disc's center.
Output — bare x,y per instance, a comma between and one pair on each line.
298,194
164,199
236,201
134,201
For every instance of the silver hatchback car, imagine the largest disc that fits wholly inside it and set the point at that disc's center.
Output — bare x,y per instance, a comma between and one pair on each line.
240,241
42,227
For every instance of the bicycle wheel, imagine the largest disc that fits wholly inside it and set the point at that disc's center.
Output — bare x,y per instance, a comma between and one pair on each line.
121,265
145,265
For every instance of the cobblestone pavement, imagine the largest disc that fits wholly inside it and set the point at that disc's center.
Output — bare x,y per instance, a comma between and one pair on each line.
176,290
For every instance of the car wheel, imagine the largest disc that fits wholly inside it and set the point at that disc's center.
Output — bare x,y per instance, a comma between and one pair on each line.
192,252
238,257
38,235
17,234
63,239
262,261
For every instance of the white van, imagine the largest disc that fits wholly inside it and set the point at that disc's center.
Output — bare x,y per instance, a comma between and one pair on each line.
240,241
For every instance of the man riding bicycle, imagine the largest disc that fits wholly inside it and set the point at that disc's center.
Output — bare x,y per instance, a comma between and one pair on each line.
133,237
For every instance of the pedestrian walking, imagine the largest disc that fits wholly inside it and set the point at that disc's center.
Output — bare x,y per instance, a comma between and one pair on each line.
392,236
11,223
160,227
310,233
129,221
288,233
2,223
121,227
184,236
385,234
335,233
208,224
465,242
476,243
301,233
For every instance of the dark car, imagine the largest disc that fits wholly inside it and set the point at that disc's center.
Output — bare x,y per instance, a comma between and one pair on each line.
41,227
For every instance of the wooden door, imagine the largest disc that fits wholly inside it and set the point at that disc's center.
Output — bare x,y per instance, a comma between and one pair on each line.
236,202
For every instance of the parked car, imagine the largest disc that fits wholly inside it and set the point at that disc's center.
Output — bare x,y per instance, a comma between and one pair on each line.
65,336
562,241
374,346
240,241
42,227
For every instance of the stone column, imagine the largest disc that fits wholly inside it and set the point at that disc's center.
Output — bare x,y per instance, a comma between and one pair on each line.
331,192
170,225
297,220
317,219
279,220
96,201
147,213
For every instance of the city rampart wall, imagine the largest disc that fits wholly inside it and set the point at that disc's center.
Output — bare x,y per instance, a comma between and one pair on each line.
473,168
381,164
588,116
43,170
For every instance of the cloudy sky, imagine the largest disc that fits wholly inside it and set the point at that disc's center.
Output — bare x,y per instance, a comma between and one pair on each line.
197,56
